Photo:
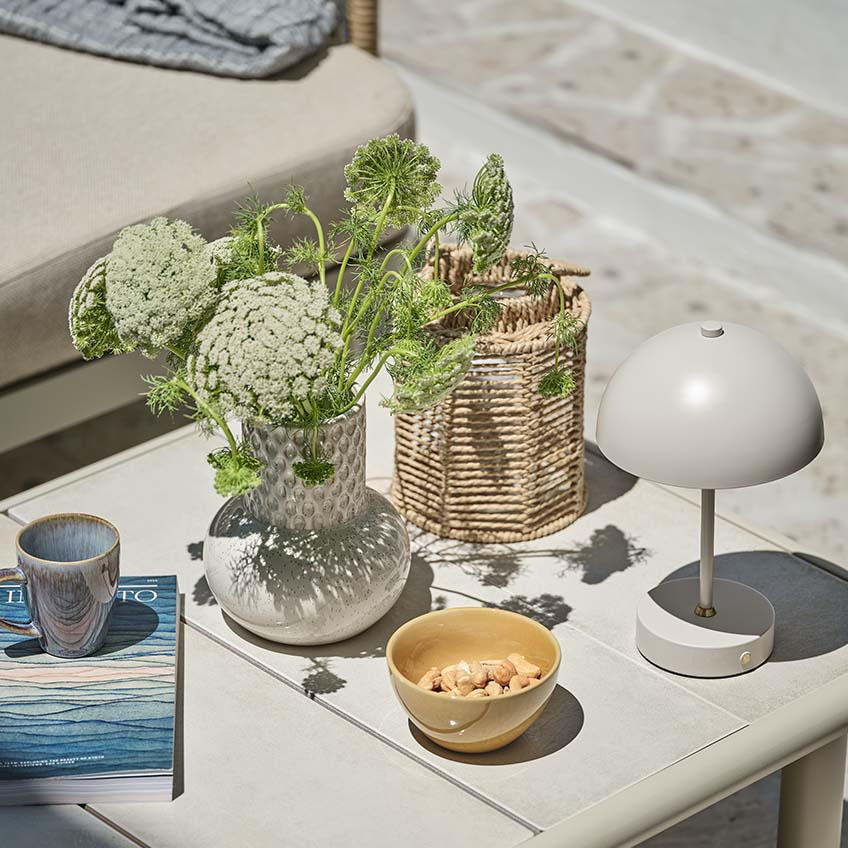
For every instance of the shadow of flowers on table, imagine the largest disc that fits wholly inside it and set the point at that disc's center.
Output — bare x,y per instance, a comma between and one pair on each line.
559,724
319,677
609,550
496,568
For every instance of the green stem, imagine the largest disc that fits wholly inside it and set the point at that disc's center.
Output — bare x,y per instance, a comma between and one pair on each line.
320,231
507,285
208,410
260,243
369,299
314,429
396,251
378,227
362,389
260,232
439,225
372,332
470,301
342,268
558,283
381,220
180,354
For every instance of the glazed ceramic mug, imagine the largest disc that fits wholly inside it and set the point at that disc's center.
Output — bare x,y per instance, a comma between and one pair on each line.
69,567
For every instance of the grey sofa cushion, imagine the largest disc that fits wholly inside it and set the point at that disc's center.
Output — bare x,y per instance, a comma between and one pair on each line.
248,38
90,145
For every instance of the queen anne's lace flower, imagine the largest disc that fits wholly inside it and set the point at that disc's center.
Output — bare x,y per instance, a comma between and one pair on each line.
486,222
221,251
160,277
393,167
92,330
256,358
423,379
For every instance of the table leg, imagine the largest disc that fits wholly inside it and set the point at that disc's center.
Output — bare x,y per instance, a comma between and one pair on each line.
811,791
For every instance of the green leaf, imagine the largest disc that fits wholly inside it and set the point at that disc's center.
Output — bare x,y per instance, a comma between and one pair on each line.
165,394
484,309
532,272
565,328
314,472
296,199
305,251
235,473
557,382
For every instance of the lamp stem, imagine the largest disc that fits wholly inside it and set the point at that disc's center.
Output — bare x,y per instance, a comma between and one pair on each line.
705,606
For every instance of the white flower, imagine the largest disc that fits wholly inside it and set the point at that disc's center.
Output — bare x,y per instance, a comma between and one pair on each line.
221,250
160,277
92,329
256,357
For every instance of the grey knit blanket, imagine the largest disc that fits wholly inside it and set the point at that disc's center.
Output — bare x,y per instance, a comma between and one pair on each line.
241,38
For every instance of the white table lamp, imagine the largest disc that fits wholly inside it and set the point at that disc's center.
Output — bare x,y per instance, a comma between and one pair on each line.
709,406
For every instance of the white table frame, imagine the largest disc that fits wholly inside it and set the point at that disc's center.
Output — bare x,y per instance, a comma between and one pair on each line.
806,738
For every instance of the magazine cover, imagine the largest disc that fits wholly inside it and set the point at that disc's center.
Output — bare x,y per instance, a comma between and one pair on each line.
110,714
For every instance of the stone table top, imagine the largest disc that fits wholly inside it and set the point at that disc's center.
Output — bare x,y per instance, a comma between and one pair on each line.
262,764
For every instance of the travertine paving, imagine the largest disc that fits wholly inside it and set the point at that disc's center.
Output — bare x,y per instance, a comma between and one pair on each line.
765,158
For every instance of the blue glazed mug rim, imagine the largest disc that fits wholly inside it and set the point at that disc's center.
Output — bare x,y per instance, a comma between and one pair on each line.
58,517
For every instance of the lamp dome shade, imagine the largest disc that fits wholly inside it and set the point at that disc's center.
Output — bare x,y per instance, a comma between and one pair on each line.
710,405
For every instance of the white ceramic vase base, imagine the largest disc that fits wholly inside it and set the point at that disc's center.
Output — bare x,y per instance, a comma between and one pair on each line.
306,587
738,638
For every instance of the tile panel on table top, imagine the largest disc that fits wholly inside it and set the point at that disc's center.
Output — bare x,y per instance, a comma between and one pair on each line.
8,532
264,766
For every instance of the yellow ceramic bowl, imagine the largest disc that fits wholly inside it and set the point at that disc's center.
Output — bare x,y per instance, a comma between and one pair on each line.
470,633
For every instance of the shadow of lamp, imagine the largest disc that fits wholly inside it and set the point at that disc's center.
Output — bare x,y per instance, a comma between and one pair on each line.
708,406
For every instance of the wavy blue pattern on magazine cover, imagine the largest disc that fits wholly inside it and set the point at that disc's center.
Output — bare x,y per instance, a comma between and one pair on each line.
111,713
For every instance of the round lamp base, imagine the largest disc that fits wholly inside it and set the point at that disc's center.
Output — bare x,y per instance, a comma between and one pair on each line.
738,638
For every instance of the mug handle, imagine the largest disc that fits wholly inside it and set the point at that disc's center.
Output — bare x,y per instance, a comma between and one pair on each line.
16,575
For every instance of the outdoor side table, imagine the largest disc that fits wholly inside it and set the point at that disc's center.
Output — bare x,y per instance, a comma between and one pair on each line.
622,751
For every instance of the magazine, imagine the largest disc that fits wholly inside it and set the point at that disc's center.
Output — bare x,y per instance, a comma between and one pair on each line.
98,728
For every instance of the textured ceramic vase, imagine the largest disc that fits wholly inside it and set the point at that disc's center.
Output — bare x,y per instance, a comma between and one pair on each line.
308,565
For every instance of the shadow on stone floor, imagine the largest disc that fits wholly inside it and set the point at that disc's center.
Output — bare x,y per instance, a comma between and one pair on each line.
557,726
74,447
747,819
809,602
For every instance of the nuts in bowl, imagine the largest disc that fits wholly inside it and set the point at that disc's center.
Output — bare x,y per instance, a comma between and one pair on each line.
473,679
482,678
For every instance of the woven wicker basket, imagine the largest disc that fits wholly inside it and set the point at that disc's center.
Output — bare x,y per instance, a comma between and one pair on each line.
495,461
